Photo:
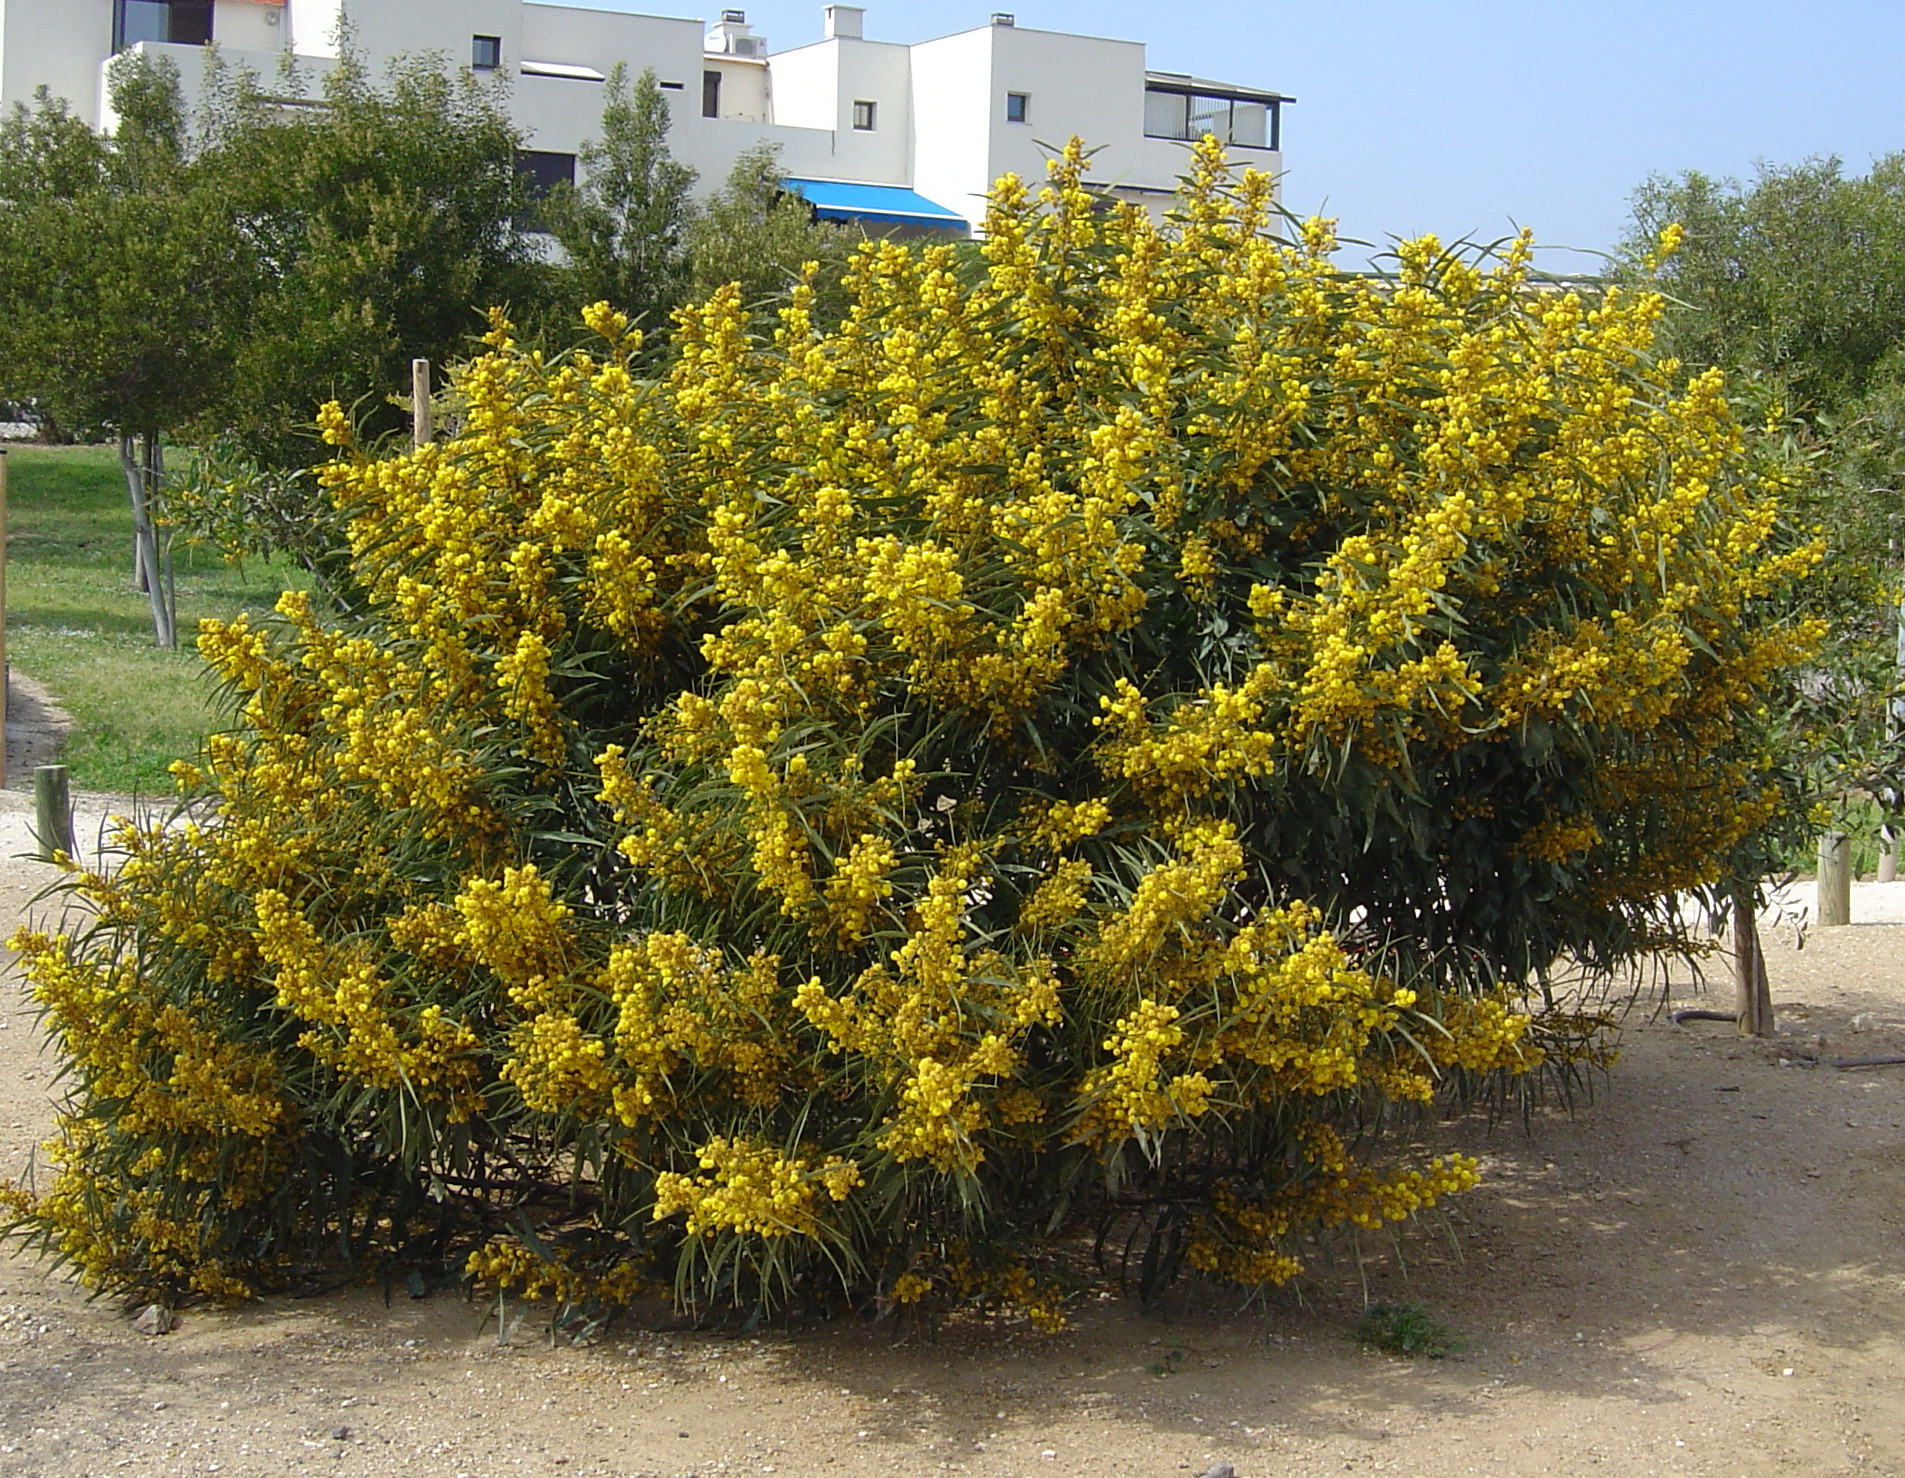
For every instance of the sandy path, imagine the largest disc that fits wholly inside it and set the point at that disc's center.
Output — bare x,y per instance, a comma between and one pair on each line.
1701,1272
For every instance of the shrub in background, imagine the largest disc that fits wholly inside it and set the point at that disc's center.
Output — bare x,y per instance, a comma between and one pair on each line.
1068,749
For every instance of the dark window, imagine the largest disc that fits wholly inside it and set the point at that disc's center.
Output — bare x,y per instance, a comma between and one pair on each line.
864,114
544,170
182,22
710,94
486,53
1018,107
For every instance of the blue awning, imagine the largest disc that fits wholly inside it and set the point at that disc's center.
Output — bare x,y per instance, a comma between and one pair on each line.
893,205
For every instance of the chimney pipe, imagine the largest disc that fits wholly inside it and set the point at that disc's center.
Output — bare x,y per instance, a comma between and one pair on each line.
848,22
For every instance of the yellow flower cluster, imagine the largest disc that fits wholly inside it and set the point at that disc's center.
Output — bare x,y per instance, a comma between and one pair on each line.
752,1188
510,1266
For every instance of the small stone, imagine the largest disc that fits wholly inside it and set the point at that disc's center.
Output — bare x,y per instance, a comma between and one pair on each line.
155,1319
340,1434
1219,1470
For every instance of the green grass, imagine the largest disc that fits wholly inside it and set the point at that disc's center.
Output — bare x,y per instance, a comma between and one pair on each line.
1406,1329
76,622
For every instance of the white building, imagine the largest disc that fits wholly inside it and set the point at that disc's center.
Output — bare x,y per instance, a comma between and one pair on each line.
871,130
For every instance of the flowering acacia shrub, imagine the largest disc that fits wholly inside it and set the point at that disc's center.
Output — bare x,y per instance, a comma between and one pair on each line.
1073,747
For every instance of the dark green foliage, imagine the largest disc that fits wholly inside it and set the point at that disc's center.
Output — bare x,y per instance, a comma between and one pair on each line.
1799,275
756,232
624,229
385,224
123,284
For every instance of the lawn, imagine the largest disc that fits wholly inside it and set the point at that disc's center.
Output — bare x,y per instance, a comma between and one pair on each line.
76,622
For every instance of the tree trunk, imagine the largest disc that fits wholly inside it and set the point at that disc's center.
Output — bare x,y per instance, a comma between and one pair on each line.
138,462
168,582
1752,997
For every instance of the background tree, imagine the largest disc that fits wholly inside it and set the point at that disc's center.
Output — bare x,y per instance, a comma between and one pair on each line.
124,286
385,222
1795,282
758,233
1798,274
624,227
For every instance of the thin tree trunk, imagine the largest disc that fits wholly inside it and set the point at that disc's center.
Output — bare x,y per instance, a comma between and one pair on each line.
162,536
1752,996
136,462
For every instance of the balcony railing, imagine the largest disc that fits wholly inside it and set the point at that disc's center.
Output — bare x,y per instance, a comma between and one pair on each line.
1186,111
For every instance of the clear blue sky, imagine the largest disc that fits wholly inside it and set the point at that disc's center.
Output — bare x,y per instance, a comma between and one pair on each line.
1463,119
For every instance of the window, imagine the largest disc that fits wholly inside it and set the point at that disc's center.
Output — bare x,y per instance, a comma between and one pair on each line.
1018,107
1251,121
864,114
181,22
486,53
710,94
544,170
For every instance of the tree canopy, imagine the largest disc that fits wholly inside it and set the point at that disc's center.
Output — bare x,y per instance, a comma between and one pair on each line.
1794,281
384,221
123,283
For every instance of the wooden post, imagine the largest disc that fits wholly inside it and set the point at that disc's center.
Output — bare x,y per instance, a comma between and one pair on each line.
4,673
1888,854
52,811
421,432
1835,879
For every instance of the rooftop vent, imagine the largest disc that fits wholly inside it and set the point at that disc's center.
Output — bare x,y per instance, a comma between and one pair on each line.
729,36
1004,18
846,22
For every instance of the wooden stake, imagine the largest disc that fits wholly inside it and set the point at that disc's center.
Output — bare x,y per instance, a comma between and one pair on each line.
52,811
1835,879
421,433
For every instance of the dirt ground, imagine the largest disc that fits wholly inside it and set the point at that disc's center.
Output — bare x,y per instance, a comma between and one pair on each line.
1700,1272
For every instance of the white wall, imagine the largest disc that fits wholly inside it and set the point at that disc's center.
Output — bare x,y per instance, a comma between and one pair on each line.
1078,85
880,73
600,38
245,25
744,87
313,26
952,87
383,28
806,86
559,113
59,46
190,62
